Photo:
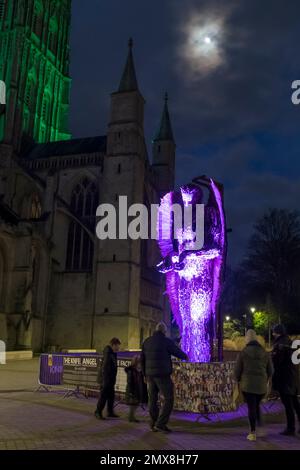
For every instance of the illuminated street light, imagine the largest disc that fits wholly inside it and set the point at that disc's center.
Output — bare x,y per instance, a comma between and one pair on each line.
252,309
227,318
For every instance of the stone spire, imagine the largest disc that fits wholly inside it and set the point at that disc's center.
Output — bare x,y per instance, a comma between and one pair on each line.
128,81
165,129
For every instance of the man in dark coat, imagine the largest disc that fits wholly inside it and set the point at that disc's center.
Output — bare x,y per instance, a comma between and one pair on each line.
286,377
107,379
157,368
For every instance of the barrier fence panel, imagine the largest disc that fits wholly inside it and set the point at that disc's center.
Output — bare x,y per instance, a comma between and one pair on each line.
51,369
121,381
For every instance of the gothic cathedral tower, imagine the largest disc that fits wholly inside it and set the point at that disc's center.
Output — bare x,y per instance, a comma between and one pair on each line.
119,261
34,64
163,152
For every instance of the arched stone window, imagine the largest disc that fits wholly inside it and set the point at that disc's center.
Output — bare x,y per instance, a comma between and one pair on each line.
53,28
141,337
45,109
28,95
80,247
36,207
2,9
145,243
42,136
45,117
30,92
37,18
26,120
21,12
29,103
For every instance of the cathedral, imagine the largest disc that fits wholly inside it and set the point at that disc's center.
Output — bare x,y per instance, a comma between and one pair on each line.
60,286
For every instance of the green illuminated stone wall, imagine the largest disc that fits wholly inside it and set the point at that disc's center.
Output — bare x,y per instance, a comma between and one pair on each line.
34,64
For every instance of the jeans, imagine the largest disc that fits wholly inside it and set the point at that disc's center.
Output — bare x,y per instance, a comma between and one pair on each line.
107,394
164,387
253,402
292,406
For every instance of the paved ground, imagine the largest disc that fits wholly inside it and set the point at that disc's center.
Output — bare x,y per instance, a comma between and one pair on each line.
19,375
39,420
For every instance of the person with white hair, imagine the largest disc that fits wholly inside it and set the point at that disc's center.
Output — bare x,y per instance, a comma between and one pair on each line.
253,371
157,368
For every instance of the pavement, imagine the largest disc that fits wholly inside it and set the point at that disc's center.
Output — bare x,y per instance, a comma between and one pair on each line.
19,375
31,419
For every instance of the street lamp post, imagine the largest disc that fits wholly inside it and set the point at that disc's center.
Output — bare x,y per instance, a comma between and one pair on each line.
252,310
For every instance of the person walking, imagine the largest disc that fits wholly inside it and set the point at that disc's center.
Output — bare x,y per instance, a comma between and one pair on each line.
157,368
136,389
107,379
253,370
286,378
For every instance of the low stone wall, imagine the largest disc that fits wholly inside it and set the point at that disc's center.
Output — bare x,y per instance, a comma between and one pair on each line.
18,355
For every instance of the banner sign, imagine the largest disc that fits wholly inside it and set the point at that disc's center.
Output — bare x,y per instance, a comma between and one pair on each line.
81,370
121,381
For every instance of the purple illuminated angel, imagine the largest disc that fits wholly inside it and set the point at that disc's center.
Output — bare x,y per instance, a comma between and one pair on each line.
194,269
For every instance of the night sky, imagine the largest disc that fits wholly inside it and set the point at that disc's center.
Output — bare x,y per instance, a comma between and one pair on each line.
228,67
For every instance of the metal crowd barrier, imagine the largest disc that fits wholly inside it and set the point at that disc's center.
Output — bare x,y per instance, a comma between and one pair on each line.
51,378
51,371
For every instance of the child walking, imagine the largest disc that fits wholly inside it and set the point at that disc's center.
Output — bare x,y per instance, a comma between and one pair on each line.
136,389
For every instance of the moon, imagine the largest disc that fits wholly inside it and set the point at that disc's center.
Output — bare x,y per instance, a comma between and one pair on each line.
204,40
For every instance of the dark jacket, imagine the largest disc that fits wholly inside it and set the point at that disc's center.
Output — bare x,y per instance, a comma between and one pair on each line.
136,389
156,355
108,368
253,369
285,379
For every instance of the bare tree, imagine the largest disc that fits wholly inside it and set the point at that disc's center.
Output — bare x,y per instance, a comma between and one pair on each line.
273,259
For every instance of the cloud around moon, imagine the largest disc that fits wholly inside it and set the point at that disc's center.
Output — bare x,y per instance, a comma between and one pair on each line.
201,48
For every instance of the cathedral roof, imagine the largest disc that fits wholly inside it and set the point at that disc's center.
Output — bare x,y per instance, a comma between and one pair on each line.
164,131
129,81
68,147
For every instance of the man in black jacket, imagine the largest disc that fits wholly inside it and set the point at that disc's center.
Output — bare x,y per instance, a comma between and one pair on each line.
286,377
107,379
157,368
